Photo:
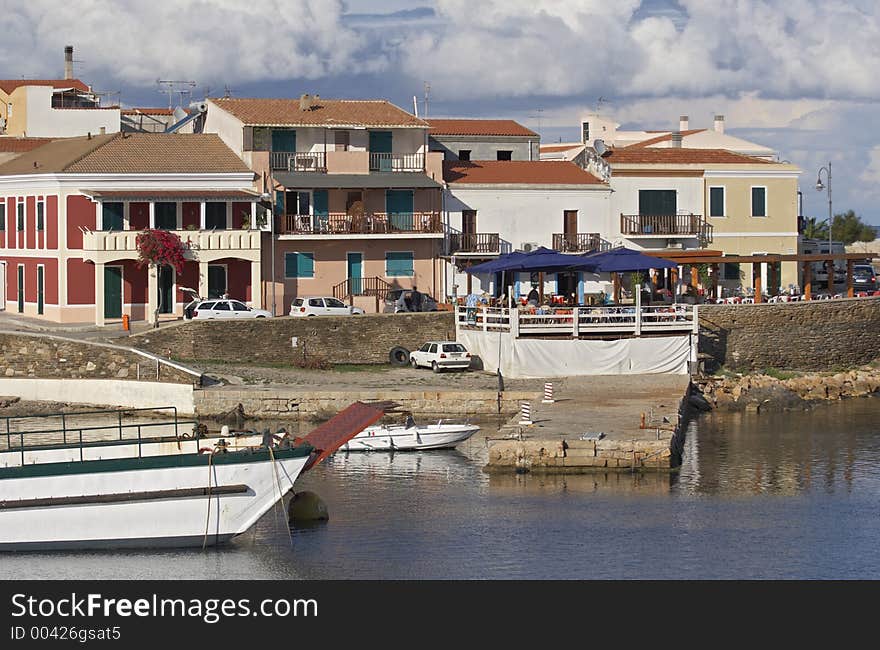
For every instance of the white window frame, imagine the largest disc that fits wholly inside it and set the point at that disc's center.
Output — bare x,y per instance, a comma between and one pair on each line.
752,205
723,189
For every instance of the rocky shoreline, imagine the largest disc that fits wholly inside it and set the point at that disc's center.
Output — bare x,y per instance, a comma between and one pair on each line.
762,392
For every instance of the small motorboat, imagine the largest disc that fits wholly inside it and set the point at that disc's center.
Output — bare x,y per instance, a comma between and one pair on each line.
444,434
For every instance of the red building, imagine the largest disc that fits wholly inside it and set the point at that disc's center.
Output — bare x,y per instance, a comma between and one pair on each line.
71,209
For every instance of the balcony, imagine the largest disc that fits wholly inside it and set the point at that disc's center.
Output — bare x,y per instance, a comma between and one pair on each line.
376,223
298,161
393,162
666,225
486,243
579,242
202,245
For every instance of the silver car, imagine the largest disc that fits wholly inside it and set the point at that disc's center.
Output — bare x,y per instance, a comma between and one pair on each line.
403,300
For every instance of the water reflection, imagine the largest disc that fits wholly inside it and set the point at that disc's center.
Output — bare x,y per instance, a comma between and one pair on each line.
832,448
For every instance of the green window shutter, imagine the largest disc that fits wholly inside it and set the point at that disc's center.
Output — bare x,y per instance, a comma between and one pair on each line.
399,265
299,265
2,216
716,202
759,201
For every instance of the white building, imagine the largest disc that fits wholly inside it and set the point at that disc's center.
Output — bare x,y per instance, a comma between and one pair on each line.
496,207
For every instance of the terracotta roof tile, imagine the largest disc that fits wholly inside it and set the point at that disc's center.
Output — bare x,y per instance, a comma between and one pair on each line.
517,172
8,85
325,112
666,137
135,153
648,155
11,144
479,127
554,148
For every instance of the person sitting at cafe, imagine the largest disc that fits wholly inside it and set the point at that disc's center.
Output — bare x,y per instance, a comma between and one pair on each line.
533,297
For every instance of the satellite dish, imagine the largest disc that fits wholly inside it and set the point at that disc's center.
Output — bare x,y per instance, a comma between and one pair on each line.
599,146
179,114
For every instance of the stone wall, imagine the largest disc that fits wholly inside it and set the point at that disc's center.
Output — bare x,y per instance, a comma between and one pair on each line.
299,404
817,335
48,357
348,339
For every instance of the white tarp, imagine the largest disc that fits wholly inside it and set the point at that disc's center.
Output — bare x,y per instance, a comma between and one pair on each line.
534,358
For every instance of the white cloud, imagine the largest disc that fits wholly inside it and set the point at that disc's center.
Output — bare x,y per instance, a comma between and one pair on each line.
222,40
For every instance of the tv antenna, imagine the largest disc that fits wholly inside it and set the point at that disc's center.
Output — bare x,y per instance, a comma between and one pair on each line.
599,103
100,94
539,114
227,92
170,87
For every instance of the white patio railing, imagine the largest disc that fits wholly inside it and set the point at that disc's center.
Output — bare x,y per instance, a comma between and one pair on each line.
578,321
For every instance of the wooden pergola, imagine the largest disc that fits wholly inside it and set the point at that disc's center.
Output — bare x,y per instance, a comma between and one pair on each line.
773,262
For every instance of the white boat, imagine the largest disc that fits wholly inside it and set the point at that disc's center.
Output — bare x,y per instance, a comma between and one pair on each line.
149,493
410,437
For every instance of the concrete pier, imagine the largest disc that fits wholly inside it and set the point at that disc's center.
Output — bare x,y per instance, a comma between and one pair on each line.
594,424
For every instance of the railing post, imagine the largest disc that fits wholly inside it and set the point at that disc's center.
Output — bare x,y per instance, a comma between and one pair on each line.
638,290
696,317
485,319
513,318
575,322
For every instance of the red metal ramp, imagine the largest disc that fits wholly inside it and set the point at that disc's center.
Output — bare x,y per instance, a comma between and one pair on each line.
342,427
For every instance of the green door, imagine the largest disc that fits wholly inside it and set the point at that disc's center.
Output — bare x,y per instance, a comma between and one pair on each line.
380,151
40,280
166,289
321,210
111,216
216,280
112,292
399,206
355,272
20,289
165,216
284,140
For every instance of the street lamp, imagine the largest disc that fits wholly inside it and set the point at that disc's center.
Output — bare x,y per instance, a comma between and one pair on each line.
265,197
819,188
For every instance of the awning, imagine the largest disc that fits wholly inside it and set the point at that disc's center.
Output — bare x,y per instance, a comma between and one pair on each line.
171,195
376,180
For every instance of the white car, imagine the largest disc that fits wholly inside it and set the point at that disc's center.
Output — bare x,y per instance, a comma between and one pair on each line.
438,355
226,309
322,306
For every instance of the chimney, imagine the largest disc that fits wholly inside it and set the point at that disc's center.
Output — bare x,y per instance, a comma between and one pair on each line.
305,102
103,130
676,140
683,123
68,61
719,124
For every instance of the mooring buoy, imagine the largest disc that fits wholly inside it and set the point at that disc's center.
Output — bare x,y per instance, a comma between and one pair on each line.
307,506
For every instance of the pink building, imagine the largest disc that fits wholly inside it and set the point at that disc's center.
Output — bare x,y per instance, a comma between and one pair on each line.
357,194
71,209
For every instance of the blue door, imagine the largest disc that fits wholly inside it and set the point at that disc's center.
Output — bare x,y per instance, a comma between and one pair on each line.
380,151
355,272
320,209
399,206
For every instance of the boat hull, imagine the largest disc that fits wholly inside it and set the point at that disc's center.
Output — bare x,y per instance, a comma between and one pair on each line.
151,502
399,438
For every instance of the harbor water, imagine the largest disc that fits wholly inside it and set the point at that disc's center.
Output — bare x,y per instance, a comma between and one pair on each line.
770,496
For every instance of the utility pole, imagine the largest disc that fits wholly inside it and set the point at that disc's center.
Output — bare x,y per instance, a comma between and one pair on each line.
427,93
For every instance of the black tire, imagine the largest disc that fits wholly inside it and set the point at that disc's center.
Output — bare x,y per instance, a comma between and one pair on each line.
261,317
413,362
399,356
435,367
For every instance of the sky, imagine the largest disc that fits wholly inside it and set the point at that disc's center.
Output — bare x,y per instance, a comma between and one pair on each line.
799,76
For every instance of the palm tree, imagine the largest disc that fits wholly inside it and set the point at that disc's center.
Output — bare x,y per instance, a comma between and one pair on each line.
815,229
